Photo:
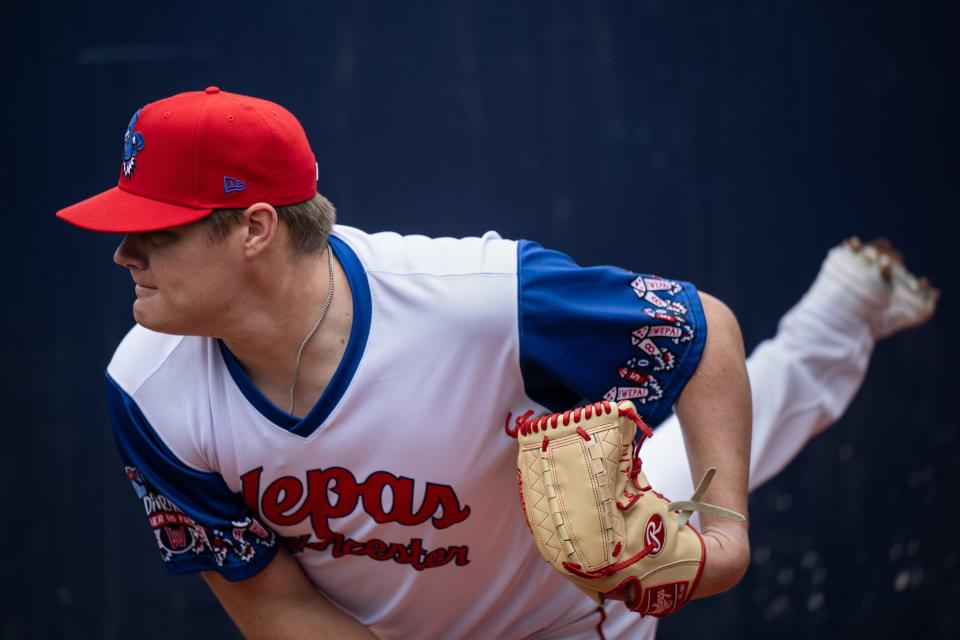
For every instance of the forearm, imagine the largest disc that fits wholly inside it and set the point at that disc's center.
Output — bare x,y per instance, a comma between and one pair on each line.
715,417
280,603
298,619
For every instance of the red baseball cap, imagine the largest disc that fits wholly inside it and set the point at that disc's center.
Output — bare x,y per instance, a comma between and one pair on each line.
194,152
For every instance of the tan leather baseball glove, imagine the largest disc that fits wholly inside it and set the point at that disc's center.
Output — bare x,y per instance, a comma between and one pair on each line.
596,519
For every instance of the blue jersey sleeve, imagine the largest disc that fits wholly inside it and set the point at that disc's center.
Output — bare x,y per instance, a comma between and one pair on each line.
198,523
591,333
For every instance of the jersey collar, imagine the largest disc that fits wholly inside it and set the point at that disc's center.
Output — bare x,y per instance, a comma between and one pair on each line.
359,330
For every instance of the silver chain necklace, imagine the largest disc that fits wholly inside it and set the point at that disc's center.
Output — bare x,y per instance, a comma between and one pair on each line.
316,325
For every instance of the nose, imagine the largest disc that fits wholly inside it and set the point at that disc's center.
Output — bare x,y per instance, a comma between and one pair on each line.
130,252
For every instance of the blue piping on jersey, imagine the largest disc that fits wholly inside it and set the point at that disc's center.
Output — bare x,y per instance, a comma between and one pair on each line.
359,331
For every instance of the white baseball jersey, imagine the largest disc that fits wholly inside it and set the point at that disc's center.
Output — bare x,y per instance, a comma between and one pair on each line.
397,492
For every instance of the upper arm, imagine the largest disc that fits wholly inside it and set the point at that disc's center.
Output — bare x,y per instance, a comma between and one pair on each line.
198,523
281,602
719,389
604,332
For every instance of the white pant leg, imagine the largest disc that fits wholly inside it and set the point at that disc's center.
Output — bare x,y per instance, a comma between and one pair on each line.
802,380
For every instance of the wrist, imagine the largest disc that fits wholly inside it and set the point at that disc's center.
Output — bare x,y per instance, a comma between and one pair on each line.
727,557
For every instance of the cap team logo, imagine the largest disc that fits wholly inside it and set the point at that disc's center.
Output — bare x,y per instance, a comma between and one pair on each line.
655,535
132,144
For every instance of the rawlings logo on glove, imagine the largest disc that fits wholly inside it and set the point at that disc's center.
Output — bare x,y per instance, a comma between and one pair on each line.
594,516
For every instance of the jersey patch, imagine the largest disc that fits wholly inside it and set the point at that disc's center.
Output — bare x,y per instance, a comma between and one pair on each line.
178,534
646,288
588,333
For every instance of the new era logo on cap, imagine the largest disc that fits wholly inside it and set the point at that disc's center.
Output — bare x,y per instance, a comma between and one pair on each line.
233,184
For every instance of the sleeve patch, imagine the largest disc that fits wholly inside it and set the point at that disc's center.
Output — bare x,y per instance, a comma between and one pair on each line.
180,536
653,341
604,332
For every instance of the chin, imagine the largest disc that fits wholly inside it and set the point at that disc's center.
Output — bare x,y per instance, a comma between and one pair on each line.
151,321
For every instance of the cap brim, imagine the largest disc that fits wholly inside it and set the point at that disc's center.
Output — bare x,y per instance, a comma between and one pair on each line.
118,211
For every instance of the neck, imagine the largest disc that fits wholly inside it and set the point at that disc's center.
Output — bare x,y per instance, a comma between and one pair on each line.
272,322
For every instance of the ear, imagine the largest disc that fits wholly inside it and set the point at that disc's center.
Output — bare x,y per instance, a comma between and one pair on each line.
261,222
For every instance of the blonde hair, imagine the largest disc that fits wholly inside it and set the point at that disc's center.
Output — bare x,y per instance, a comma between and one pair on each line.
309,223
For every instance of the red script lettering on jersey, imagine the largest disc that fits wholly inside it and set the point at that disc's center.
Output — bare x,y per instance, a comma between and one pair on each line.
276,505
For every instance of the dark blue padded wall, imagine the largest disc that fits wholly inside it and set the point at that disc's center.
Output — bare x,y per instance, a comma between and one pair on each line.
730,144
